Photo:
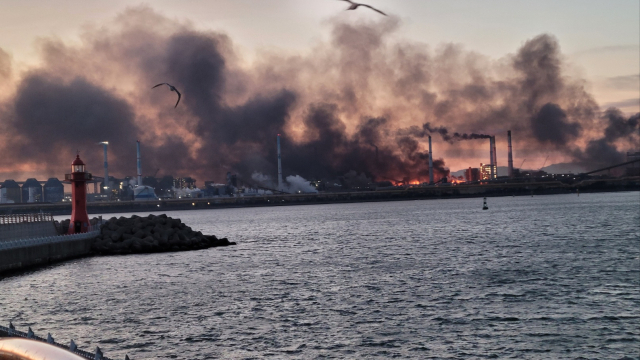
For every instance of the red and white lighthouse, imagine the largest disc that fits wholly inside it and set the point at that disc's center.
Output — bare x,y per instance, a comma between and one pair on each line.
78,178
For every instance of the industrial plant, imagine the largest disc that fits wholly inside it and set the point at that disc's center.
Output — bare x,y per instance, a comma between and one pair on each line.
169,187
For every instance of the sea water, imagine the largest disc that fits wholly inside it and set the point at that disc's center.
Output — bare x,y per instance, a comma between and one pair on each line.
543,277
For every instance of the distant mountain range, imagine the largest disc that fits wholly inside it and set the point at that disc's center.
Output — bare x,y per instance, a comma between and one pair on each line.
560,168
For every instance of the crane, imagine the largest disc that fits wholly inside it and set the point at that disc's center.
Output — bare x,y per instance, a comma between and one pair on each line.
544,163
522,163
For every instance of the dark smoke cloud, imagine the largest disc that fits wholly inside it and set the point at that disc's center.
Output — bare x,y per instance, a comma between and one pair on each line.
619,126
54,117
540,69
551,125
349,107
603,151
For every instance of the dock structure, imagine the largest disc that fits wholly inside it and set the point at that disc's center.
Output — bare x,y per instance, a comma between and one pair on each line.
11,332
34,239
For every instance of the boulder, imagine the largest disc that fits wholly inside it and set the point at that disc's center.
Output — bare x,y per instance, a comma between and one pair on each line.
136,244
151,234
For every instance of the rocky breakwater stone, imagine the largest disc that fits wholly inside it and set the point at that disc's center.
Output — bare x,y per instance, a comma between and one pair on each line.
153,233
63,226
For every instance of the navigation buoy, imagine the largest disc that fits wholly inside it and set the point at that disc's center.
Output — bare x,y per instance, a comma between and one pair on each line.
484,204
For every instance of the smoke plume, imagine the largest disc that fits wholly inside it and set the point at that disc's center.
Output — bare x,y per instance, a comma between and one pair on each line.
359,103
444,133
604,151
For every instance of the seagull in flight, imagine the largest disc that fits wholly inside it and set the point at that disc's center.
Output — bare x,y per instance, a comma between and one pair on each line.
354,5
172,88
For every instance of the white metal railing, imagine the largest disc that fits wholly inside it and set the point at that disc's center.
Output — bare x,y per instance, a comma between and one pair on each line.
24,218
94,230
12,332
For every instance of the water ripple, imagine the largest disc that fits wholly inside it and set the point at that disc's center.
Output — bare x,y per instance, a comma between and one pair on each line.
532,278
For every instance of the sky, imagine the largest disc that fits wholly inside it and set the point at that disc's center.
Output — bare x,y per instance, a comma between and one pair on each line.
598,44
600,37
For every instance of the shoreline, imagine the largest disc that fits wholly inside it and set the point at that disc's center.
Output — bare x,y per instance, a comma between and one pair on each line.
410,193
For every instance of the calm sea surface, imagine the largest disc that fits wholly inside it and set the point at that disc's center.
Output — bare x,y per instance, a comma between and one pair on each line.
544,277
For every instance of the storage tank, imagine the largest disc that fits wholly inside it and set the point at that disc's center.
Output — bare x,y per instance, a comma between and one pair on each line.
53,190
11,192
31,191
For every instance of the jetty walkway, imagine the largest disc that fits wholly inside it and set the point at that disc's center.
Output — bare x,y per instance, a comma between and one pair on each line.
33,239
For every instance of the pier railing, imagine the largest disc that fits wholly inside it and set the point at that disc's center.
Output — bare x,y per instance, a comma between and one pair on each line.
94,230
12,332
25,218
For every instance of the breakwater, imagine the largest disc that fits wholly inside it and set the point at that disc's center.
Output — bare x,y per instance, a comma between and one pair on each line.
395,194
151,234
39,251
116,236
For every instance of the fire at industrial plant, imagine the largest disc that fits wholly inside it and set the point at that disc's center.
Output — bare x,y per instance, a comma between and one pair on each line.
359,108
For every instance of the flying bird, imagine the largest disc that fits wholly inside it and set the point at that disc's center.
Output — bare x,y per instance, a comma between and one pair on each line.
354,5
172,88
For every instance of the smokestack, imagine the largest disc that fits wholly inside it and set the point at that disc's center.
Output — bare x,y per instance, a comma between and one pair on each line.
510,159
279,166
430,163
105,144
139,166
495,156
491,156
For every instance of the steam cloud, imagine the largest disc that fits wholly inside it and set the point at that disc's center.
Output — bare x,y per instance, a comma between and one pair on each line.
293,184
356,108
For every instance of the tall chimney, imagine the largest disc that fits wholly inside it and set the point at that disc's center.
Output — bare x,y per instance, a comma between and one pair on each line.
279,166
430,163
510,154
491,147
105,145
139,166
495,156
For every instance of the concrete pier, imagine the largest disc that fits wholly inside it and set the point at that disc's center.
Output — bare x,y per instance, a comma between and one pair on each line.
24,253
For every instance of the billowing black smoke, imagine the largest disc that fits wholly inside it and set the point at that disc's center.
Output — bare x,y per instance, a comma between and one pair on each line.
347,108
603,152
54,117
550,125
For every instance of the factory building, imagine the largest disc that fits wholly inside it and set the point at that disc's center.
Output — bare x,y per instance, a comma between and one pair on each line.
10,192
31,191
488,171
472,174
184,183
53,191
